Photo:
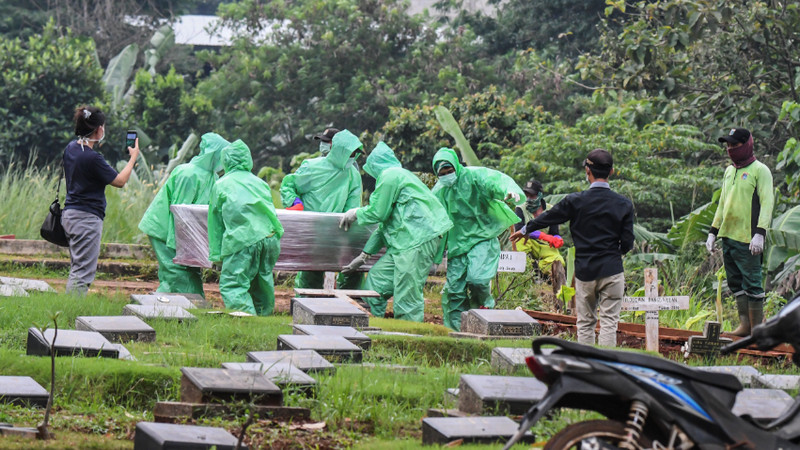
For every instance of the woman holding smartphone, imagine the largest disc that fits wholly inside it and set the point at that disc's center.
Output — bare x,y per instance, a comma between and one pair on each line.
87,173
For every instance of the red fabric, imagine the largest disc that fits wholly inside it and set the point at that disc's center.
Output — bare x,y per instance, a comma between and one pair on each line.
297,207
742,156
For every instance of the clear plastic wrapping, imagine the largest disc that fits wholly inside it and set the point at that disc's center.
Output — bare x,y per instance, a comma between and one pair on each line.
311,240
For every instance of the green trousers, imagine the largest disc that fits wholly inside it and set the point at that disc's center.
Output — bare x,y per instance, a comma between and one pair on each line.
402,275
742,269
175,278
469,278
246,281
314,280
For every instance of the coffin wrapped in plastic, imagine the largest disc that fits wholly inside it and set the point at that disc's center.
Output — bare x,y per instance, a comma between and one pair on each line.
311,241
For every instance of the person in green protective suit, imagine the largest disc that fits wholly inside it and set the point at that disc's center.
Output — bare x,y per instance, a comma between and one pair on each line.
244,233
188,184
329,183
411,222
477,200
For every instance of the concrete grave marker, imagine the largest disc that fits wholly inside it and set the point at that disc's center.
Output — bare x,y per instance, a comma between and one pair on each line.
196,299
709,343
282,374
349,333
783,382
117,328
332,348
762,404
652,304
22,391
509,360
163,436
328,311
28,285
7,290
163,299
161,312
502,323
305,360
481,394
70,343
483,430
745,374
209,385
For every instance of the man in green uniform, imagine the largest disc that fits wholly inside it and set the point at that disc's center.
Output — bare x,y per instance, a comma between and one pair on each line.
244,233
475,199
188,184
327,184
411,222
742,218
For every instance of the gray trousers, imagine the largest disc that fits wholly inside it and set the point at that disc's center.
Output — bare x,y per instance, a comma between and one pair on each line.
83,231
603,296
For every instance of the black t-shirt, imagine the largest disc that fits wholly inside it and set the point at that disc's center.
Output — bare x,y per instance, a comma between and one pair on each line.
87,174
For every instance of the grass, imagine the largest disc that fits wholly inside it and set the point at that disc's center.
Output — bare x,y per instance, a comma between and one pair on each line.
33,189
98,400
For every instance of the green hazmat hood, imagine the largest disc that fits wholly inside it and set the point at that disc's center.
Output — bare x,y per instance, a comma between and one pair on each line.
446,155
381,158
343,145
210,157
236,156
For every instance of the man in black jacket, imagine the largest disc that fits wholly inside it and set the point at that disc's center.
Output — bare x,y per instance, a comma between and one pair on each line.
601,222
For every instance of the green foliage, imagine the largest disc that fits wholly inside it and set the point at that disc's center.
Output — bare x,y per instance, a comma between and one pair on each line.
344,63
42,81
715,63
165,108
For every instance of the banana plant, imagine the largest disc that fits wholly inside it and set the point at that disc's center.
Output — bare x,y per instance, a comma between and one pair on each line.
450,126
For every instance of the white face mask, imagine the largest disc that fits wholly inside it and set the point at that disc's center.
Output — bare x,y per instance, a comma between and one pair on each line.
448,180
87,140
324,148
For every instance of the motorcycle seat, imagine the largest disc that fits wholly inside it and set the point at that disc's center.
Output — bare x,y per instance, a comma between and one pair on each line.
720,380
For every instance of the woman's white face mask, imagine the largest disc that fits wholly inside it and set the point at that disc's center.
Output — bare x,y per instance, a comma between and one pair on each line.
87,140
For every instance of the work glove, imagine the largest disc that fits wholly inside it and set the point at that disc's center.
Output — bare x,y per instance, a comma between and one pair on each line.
357,262
710,242
512,196
296,206
348,219
757,244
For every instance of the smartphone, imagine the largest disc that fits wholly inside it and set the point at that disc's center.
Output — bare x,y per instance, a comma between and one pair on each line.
130,139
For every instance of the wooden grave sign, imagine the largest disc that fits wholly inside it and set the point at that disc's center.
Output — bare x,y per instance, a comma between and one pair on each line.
651,303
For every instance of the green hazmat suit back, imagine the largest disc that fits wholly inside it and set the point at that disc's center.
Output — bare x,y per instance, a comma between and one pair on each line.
408,213
474,203
188,184
328,183
240,211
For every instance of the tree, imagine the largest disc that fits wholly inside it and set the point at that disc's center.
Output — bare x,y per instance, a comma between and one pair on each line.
42,81
716,63
343,63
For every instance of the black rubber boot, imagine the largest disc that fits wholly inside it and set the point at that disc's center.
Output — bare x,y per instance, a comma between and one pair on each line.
744,316
756,307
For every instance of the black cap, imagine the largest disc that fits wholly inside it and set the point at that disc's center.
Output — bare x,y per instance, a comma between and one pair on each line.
532,187
736,136
327,135
599,159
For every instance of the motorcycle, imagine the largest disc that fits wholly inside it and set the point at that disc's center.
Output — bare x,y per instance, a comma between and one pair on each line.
653,403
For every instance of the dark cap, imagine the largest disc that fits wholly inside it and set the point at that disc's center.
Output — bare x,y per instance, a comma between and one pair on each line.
327,135
599,159
736,136
532,187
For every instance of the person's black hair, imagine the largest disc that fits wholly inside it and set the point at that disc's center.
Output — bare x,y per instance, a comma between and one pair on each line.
600,173
87,119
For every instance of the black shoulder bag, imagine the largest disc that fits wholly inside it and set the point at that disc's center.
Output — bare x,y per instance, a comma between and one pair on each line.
51,230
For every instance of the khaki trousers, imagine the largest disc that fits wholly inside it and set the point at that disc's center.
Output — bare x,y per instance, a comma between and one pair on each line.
603,295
